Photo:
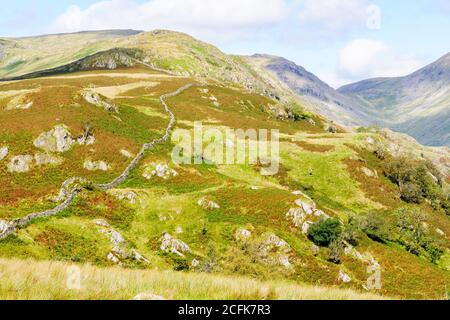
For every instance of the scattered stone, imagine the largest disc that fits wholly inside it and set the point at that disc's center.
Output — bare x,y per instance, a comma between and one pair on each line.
46,158
59,139
254,188
368,172
170,244
159,170
297,193
86,140
178,230
440,232
344,277
315,250
274,251
130,196
207,204
311,121
96,165
20,164
148,297
370,140
111,257
195,263
126,153
242,234
3,152
284,261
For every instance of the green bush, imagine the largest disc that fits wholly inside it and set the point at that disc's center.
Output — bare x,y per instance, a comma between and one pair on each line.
325,231
417,180
372,225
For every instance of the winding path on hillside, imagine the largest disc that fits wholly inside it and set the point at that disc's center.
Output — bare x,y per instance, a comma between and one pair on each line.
73,186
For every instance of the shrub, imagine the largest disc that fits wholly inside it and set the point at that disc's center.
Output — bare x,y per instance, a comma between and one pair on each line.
336,249
411,193
373,226
325,231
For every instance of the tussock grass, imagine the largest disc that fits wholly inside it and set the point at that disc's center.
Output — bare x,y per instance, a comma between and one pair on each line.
49,280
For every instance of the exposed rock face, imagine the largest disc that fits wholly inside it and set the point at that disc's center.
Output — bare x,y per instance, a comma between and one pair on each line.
96,165
170,244
148,297
274,251
59,139
3,153
20,164
208,204
159,170
305,214
120,249
46,159
95,99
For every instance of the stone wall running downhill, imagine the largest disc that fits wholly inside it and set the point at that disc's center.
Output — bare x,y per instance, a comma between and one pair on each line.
73,186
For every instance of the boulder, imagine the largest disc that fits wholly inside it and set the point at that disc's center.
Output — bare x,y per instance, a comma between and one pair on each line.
96,165
368,172
3,153
129,196
208,204
126,153
59,139
440,232
170,244
242,234
344,277
20,164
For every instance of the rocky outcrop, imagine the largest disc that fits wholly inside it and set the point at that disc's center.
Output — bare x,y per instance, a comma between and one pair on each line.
59,139
172,245
96,165
20,164
120,251
207,204
273,250
3,153
305,214
95,99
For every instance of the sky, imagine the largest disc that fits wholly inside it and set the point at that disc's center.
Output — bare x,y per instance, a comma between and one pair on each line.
341,41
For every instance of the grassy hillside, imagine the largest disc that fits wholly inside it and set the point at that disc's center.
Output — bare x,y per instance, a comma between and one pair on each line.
211,221
25,279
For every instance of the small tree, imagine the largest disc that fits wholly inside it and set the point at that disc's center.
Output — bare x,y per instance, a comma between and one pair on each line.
325,231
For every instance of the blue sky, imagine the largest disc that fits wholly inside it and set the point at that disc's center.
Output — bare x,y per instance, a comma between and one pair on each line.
341,41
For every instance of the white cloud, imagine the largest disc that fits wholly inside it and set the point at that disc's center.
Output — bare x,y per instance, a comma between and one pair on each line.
199,17
335,14
365,58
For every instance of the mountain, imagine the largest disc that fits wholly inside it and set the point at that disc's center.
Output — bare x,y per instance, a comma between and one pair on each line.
91,173
417,104
320,96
